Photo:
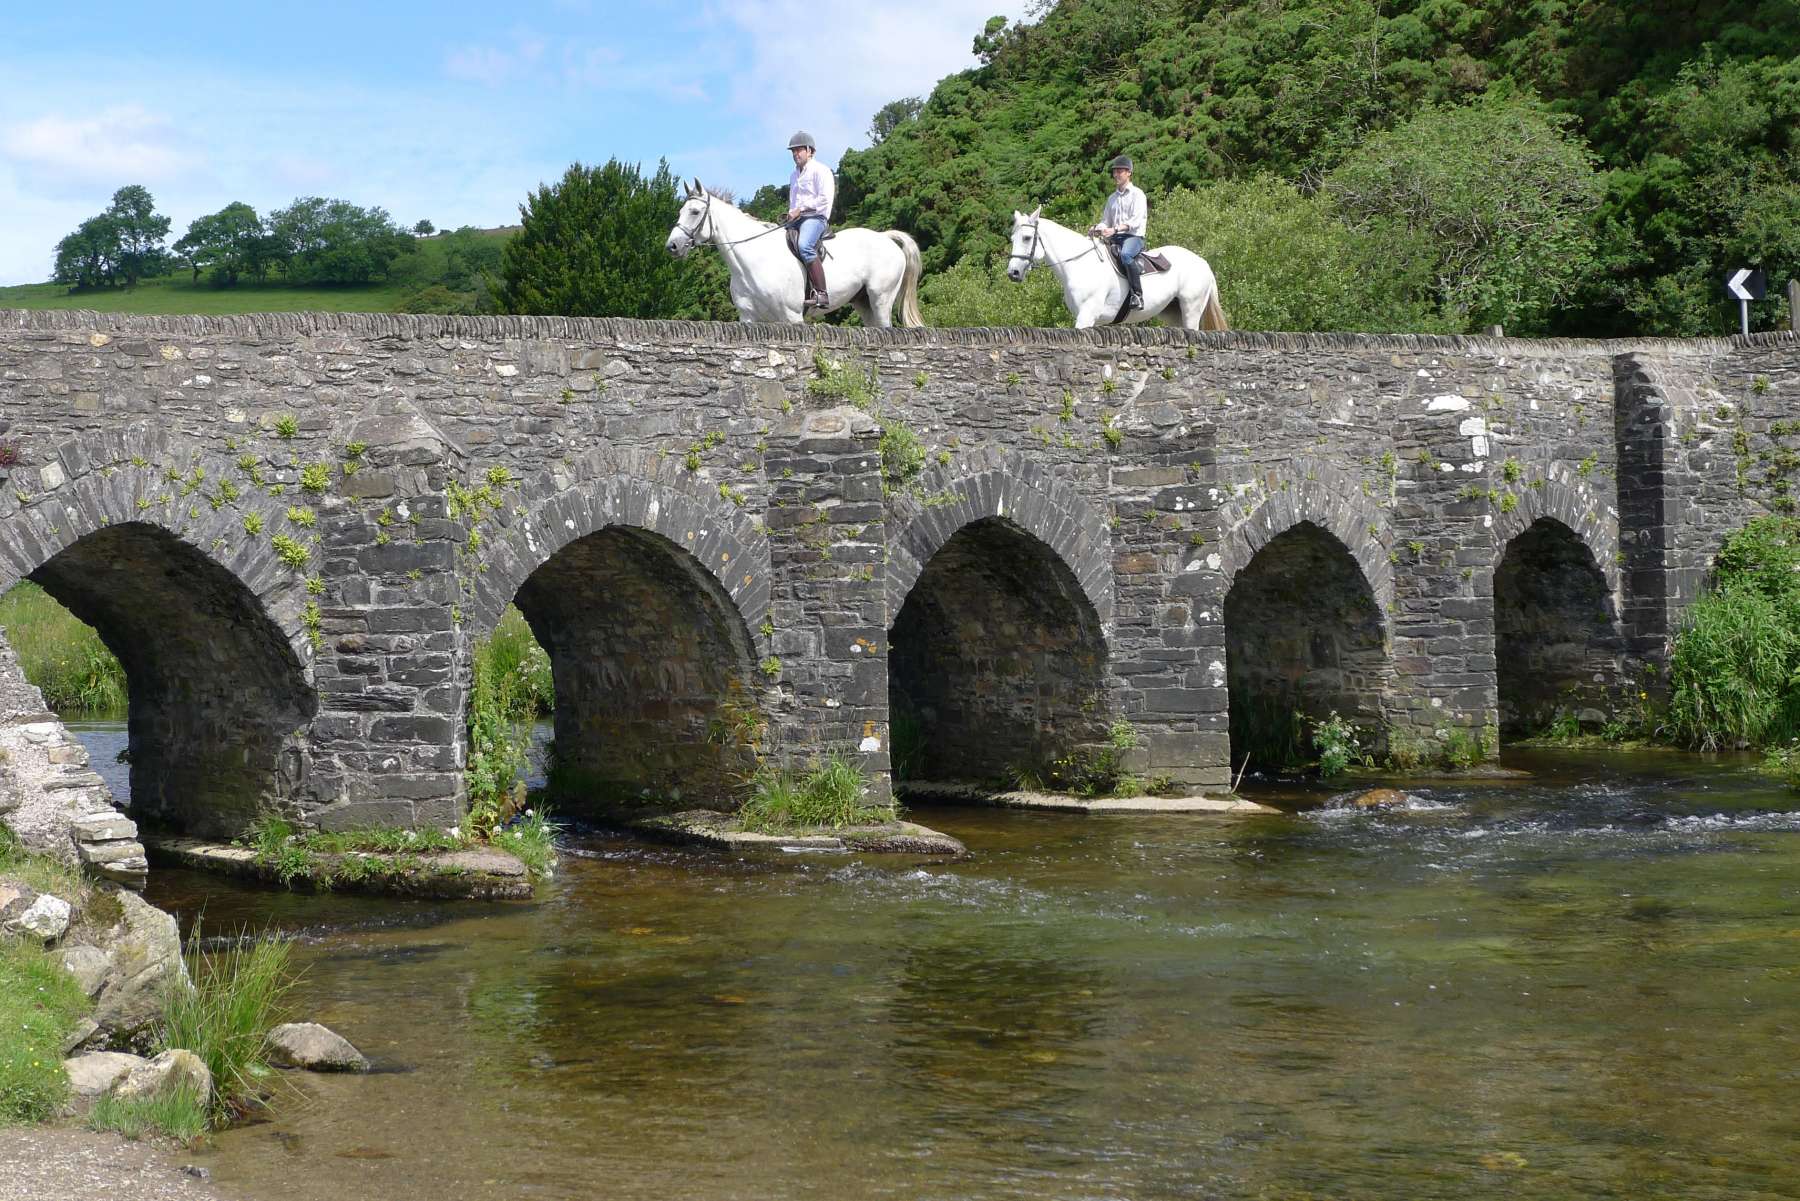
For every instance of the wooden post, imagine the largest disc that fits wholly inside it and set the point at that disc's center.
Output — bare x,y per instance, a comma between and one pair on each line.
1794,305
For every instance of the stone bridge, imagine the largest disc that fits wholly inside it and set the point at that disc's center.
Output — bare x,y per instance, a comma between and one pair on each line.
293,528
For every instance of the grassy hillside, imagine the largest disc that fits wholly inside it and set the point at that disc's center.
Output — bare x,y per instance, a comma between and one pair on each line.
436,275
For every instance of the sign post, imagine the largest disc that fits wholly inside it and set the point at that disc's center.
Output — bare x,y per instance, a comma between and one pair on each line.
1744,285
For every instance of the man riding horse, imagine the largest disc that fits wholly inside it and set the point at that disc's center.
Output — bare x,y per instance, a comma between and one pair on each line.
1123,224
811,190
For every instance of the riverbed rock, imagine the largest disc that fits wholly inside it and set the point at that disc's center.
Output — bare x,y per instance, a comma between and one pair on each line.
313,1047
145,960
87,964
47,917
162,1076
94,1074
1379,798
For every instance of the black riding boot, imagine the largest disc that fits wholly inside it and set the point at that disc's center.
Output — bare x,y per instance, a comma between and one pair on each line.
1134,279
815,284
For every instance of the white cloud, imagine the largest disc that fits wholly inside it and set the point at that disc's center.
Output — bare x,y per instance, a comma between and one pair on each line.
125,142
495,65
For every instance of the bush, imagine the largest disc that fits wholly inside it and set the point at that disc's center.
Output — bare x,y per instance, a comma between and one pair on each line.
975,294
61,655
1732,672
1336,741
831,795
225,1013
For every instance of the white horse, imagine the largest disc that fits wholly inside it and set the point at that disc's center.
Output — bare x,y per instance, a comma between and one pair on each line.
1094,289
863,268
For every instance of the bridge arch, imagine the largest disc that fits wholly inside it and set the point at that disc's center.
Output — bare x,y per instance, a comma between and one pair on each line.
1559,644
1308,588
1000,602
644,590
166,549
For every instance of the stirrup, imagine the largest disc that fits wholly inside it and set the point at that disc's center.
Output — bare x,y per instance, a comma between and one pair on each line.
816,300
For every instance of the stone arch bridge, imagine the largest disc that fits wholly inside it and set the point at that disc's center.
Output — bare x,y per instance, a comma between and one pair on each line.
292,529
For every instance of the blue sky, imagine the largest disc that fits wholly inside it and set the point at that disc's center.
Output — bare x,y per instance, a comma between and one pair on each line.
448,111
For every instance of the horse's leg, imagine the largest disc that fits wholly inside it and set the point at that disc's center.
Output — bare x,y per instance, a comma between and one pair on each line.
872,317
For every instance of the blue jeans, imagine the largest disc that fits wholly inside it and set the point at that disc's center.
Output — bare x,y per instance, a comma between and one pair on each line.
813,228
1130,246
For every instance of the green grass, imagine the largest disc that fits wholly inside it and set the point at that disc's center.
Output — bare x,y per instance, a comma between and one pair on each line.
40,1003
295,854
181,1114
39,872
62,656
513,655
178,294
531,839
830,796
224,1016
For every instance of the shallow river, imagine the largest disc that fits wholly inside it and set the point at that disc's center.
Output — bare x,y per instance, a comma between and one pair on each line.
1582,985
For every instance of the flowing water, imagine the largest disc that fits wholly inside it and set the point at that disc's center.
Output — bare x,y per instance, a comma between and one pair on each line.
1584,984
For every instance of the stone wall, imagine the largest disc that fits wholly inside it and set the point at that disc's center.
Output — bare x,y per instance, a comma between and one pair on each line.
700,529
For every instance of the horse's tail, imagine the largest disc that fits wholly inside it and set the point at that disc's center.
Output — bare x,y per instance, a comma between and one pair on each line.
909,283
1213,315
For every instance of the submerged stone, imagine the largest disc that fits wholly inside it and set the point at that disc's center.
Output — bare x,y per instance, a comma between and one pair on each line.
313,1047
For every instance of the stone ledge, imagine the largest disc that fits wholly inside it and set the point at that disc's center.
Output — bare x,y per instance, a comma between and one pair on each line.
1062,803
481,875
708,827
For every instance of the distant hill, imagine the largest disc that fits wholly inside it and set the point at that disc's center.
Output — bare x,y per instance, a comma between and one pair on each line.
437,274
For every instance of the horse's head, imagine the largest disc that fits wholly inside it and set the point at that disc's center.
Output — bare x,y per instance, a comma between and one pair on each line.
1027,245
693,225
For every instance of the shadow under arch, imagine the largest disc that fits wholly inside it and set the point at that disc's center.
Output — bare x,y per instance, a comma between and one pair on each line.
1304,638
643,595
1558,643
217,694
996,659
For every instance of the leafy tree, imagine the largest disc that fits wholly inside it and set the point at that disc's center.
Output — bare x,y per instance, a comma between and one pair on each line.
424,229
592,245
321,241
88,258
141,230
891,116
231,242
1492,199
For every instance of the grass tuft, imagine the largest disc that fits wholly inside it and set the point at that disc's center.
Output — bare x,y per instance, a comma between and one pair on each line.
40,1003
831,795
225,1014
180,1114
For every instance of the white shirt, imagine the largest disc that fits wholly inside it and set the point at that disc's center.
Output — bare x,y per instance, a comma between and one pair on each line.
1128,211
812,190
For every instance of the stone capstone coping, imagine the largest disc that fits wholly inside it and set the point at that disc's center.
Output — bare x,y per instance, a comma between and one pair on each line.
708,827
1063,803
256,326
485,874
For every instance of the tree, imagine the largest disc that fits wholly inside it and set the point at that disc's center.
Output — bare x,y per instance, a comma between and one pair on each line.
424,229
231,242
891,116
88,258
1493,200
592,245
141,230
322,241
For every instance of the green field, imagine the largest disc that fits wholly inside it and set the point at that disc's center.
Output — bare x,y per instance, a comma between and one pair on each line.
422,267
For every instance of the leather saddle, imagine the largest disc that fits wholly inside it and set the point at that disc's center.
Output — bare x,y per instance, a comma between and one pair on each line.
1149,264
793,241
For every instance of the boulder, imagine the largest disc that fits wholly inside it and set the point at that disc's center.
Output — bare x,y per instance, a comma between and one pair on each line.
162,1076
85,1029
1379,798
94,1074
15,899
313,1047
88,965
145,960
46,918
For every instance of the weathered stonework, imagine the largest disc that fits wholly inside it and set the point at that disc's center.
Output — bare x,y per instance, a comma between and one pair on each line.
708,549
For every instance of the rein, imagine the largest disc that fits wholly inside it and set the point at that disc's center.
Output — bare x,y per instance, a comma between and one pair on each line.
706,217
1038,235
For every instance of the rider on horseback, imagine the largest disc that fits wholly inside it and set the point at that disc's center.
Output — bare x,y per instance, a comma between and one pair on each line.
811,191
1127,213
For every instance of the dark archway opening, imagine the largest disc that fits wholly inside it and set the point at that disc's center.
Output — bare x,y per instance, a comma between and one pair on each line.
1557,643
655,696
216,693
1303,640
997,661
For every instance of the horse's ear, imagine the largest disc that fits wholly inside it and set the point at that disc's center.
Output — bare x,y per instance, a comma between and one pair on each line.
687,191
1037,212
698,189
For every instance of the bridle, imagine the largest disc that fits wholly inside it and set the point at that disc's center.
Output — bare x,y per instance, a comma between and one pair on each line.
706,216
1038,240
